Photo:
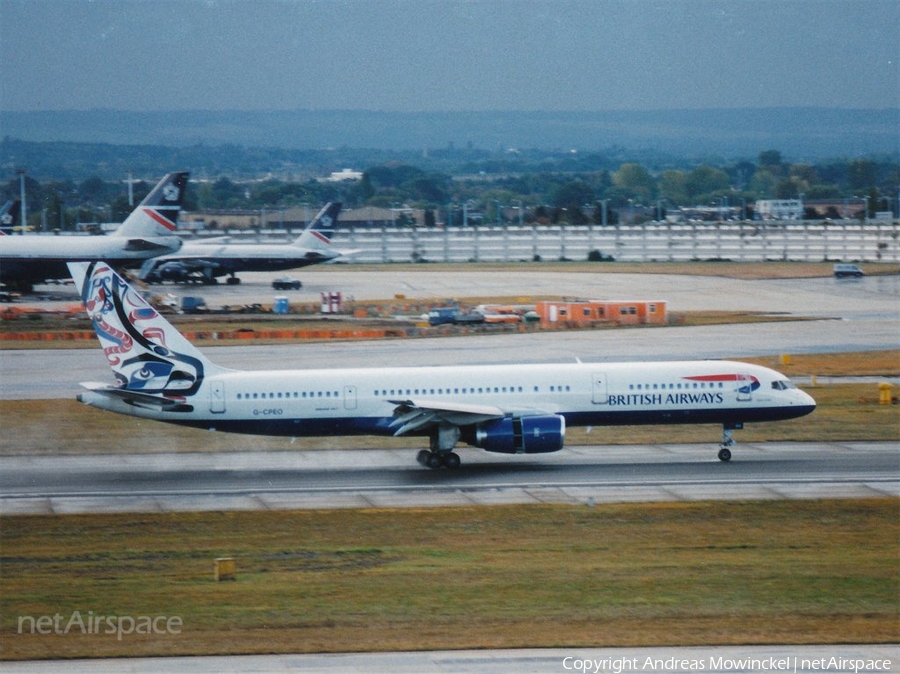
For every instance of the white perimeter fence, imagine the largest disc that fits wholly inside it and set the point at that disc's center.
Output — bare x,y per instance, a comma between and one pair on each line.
813,241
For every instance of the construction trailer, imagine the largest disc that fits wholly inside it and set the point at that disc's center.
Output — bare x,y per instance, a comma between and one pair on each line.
588,312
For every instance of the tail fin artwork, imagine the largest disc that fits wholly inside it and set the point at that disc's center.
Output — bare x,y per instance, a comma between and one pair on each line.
154,364
9,216
157,214
318,234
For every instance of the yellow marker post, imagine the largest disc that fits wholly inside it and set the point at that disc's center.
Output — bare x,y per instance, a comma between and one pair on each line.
225,569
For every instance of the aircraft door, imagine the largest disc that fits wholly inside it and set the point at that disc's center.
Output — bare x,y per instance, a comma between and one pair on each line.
744,387
349,397
599,389
217,396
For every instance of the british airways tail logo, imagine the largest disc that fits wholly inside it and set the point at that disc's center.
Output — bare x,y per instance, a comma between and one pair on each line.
171,193
157,216
323,228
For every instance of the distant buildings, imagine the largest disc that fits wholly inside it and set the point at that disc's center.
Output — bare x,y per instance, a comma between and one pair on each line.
344,175
779,209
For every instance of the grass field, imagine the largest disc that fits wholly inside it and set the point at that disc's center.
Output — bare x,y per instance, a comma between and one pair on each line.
783,572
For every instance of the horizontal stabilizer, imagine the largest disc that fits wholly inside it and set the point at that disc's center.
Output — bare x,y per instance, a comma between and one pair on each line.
136,398
348,253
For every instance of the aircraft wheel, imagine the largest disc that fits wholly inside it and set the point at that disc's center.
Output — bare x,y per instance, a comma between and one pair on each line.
433,461
724,454
451,460
233,281
422,457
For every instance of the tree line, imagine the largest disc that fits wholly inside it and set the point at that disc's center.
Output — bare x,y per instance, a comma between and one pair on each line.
576,192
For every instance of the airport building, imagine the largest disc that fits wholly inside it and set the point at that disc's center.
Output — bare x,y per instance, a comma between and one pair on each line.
779,209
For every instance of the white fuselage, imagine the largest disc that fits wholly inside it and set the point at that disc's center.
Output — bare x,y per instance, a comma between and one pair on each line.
221,259
37,257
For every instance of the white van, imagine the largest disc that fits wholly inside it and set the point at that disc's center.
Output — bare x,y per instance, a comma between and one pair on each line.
847,270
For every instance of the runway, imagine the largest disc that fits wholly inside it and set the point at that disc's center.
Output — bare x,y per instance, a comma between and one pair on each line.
391,478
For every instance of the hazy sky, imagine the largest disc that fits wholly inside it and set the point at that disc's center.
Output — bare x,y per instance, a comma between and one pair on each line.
426,55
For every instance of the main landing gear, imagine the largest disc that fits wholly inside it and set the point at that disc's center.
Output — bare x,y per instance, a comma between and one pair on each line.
443,439
435,460
727,441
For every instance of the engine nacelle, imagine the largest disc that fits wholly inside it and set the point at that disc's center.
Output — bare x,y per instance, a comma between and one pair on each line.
522,435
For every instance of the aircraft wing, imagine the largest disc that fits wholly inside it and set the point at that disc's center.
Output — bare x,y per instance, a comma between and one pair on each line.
187,262
192,263
136,398
412,415
149,244
348,253
213,241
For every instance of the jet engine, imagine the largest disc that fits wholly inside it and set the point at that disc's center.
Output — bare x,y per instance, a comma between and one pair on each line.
522,435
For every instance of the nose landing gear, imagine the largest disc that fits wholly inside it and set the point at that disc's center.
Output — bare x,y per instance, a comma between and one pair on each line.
727,441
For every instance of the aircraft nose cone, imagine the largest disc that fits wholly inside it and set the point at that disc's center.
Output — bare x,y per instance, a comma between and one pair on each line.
807,402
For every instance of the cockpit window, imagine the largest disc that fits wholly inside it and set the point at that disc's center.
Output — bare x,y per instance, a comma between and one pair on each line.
783,385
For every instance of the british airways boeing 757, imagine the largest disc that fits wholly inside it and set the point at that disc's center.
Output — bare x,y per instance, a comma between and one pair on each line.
511,409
